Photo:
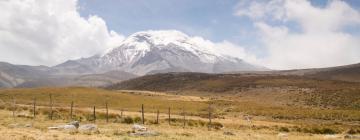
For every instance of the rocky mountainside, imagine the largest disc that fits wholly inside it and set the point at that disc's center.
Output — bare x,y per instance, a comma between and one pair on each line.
142,53
42,76
158,52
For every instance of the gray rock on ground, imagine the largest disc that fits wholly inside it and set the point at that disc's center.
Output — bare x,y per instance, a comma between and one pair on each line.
354,137
16,125
89,128
229,133
145,134
72,126
75,123
142,131
63,127
140,128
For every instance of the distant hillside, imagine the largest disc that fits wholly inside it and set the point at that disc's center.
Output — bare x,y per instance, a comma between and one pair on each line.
349,73
89,80
263,88
225,82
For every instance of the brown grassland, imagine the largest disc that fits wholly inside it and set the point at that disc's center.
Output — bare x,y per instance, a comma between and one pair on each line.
273,115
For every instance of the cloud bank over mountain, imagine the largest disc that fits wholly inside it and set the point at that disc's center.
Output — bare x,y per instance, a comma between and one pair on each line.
288,33
49,32
297,34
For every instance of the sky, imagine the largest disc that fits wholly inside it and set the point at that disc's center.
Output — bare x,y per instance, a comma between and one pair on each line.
278,34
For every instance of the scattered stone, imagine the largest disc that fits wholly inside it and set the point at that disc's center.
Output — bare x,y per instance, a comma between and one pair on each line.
332,137
229,133
187,134
72,126
28,125
14,125
282,135
145,134
352,137
88,128
75,123
138,128
63,127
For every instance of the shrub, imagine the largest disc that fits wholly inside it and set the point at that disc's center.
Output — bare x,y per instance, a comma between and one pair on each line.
137,119
217,125
328,131
284,129
351,131
128,120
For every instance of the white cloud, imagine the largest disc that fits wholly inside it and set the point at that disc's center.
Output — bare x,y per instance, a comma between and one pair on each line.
48,32
322,41
225,48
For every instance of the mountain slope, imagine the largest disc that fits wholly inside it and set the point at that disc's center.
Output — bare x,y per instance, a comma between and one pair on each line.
87,80
12,75
350,73
262,88
164,51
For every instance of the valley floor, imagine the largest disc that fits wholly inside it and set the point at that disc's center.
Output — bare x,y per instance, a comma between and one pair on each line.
232,118
28,129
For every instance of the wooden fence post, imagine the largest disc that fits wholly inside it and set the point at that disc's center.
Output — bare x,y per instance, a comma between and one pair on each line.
121,114
34,108
71,110
169,116
157,116
51,107
142,114
184,118
209,126
14,107
94,115
107,112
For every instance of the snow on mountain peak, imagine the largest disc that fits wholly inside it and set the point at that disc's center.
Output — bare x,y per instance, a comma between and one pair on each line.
169,50
146,40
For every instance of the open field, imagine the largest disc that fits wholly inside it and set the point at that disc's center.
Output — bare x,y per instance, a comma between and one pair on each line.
229,112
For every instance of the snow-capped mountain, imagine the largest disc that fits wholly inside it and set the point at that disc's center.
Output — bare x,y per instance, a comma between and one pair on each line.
162,51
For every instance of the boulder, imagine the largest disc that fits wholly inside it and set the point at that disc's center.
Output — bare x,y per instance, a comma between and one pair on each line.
332,137
145,134
63,127
138,128
28,125
282,135
14,125
75,123
88,128
355,137
229,133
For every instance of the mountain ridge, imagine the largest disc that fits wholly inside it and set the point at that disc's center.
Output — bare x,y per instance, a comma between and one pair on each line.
150,51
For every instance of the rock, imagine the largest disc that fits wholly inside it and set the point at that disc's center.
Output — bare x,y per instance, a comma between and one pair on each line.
14,125
282,135
75,123
139,128
332,137
28,125
63,127
352,137
145,134
88,128
229,133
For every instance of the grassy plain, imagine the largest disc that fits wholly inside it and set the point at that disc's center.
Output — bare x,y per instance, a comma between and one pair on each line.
269,119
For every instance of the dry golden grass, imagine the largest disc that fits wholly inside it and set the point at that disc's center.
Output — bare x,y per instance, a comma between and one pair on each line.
110,131
268,119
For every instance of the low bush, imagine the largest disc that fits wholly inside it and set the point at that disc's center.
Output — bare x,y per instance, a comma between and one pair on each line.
128,120
284,129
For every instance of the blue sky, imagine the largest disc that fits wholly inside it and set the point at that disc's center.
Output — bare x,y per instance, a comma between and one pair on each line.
211,19
278,34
